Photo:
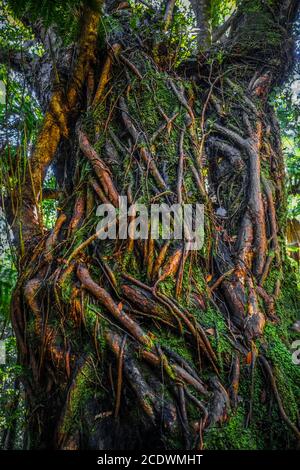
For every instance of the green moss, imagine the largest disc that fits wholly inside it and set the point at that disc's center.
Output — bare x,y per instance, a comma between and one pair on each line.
276,346
286,373
175,343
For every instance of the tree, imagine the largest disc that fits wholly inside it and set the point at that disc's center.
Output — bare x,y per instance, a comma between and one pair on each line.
140,343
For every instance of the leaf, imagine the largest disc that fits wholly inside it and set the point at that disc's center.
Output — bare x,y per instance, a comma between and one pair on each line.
249,358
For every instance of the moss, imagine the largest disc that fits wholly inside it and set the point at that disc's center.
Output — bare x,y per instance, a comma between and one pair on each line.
175,343
167,287
286,373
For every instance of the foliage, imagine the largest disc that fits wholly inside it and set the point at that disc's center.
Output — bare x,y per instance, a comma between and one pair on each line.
221,10
287,105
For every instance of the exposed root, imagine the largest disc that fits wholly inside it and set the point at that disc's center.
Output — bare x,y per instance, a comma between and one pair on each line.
146,157
159,260
52,239
107,301
105,74
79,211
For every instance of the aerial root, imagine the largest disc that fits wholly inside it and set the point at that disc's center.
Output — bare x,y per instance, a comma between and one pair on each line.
105,74
131,66
149,399
201,424
179,372
159,260
135,330
220,404
194,328
101,170
172,266
107,301
78,214
269,302
253,355
52,239
44,331
183,415
99,191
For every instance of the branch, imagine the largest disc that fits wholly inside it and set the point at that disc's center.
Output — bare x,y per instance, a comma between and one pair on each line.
55,126
219,32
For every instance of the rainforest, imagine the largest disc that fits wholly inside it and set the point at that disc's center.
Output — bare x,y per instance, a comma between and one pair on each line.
144,343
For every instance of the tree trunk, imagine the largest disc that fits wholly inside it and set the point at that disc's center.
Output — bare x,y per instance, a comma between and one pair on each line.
135,344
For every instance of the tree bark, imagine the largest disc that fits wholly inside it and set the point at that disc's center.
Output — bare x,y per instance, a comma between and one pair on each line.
115,335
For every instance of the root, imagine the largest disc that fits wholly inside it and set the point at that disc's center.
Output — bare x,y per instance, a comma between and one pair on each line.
107,301
52,239
220,404
79,211
160,259
171,267
269,303
197,332
100,168
99,191
132,67
183,415
105,74
180,373
252,370
272,218
182,100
